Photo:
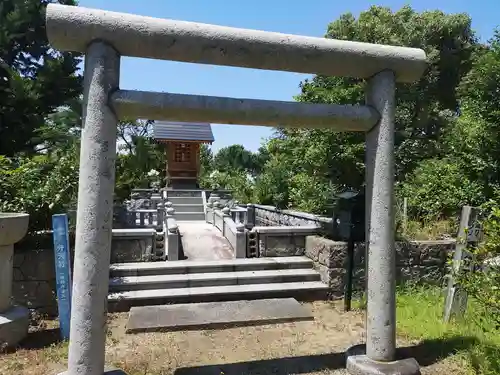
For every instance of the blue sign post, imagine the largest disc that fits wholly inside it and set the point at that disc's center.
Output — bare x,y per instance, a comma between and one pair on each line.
63,271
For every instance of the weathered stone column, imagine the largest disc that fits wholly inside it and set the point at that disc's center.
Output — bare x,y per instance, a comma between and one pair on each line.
381,316
381,259
94,214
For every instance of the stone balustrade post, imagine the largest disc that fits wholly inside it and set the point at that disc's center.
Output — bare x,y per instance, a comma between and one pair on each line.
208,213
170,211
160,218
173,240
241,241
250,216
217,205
155,200
226,213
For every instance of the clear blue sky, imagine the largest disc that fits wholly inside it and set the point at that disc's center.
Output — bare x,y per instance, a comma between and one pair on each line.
287,16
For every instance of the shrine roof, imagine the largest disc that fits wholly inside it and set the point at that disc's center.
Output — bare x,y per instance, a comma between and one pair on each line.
183,131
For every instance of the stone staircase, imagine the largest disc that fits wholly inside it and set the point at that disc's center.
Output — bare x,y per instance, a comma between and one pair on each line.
148,283
188,204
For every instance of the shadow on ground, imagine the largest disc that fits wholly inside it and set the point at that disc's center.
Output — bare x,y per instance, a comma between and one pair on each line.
426,353
41,339
281,366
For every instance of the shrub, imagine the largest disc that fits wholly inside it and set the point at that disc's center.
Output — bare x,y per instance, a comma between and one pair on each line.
40,186
439,188
480,275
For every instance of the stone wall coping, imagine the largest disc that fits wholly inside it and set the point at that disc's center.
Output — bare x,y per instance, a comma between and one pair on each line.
238,209
72,29
134,232
432,242
416,242
298,214
185,190
306,229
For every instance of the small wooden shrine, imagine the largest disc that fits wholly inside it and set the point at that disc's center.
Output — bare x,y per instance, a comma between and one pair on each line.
183,140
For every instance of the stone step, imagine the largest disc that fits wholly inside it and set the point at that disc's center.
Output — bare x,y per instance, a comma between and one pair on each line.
208,266
309,290
185,200
198,207
129,283
183,193
189,216
214,315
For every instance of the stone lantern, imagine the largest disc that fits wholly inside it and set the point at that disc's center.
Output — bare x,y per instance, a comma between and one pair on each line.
14,320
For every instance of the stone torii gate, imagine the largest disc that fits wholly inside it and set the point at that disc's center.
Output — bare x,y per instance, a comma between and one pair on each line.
105,36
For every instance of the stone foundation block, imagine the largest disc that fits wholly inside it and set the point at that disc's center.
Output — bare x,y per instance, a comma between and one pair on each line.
362,365
14,325
107,371
333,254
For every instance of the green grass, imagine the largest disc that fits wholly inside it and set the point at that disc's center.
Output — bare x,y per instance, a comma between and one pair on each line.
422,230
472,341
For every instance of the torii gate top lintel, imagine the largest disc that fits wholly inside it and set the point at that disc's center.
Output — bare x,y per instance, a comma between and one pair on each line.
72,28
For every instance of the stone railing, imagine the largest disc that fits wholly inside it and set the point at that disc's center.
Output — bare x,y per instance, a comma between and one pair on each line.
239,214
270,216
140,212
219,220
234,232
282,241
416,261
144,218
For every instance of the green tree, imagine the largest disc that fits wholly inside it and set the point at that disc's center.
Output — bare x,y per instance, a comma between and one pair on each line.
138,154
234,158
34,79
206,160
335,161
477,138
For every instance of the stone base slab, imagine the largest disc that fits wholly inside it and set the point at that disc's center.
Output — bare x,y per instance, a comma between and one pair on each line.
362,365
107,371
215,315
14,325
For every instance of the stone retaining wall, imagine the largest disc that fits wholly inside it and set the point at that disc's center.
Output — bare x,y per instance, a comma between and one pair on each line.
416,261
34,284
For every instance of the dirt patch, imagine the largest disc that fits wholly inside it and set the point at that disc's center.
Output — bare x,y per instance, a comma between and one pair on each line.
292,348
